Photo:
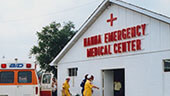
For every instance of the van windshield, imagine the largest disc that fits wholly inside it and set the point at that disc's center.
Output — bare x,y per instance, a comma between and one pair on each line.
6,77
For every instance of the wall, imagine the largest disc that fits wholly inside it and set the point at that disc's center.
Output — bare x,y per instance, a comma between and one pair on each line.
144,74
156,39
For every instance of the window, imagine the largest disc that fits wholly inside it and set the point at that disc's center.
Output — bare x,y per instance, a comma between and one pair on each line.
6,77
166,65
46,79
24,77
72,71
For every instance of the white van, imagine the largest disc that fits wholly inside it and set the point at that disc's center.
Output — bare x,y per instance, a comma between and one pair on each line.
18,79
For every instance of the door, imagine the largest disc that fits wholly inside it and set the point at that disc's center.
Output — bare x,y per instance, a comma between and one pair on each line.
25,86
108,81
46,84
113,82
7,85
25,90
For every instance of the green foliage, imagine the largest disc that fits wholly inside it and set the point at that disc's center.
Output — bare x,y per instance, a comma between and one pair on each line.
51,40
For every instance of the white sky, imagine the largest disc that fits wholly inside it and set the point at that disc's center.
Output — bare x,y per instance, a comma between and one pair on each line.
21,19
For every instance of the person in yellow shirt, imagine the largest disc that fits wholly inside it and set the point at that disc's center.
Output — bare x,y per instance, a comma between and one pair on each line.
88,86
117,86
66,86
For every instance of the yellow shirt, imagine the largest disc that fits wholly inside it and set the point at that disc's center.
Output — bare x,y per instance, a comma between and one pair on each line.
88,89
65,91
117,86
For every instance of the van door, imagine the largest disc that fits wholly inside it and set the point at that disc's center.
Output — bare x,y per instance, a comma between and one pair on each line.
8,90
25,86
46,84
7,86
26,90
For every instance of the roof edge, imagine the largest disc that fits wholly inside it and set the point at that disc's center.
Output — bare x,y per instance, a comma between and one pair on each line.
97,13
81,30
141,10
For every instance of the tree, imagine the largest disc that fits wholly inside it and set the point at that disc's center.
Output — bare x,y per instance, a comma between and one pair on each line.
51,40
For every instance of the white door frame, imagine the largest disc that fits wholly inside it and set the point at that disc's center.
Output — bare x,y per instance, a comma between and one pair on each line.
108,69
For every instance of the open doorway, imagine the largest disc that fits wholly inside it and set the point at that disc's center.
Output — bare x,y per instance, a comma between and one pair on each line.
114,82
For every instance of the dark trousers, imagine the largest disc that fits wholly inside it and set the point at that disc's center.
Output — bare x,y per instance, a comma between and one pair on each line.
82,91
54,93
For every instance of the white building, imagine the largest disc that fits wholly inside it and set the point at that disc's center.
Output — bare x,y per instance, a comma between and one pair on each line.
123,42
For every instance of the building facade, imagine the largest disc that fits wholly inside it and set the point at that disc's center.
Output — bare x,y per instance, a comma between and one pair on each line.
125,47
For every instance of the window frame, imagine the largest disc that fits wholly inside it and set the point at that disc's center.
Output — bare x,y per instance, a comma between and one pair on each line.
13,77
72,72
164,65
47,80
27,78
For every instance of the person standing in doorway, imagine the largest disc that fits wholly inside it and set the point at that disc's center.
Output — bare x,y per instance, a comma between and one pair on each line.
83,83
117,88
66,86
88,87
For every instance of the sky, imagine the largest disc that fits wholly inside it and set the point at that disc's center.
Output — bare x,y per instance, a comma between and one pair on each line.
21,19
